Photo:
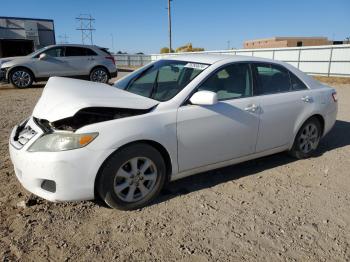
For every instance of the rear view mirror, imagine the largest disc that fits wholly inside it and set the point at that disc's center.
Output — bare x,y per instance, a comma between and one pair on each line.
42,56
204,98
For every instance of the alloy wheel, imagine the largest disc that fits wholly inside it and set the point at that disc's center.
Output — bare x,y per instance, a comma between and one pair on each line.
99,75
309,138
21,78
135,179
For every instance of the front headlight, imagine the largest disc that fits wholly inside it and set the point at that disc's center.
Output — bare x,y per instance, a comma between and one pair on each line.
61,142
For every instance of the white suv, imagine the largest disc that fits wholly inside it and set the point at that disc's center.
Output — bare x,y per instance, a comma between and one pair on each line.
92,62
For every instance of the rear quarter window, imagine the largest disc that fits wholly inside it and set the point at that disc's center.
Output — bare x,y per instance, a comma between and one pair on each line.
296,83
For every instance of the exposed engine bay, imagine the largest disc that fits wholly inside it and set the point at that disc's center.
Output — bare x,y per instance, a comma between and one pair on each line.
88,116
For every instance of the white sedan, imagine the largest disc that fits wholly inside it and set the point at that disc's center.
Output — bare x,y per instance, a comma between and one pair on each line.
170,119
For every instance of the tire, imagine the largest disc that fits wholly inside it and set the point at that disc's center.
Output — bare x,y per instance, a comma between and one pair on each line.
307,139
21,78
100,75
125,183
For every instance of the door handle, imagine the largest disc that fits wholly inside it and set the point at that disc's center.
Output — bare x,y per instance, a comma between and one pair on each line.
307,99
252,108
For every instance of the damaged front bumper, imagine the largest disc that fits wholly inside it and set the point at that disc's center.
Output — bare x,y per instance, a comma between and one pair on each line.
56,176
3,78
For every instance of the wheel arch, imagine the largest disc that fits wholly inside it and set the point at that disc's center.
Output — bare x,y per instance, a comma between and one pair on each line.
100,66
18,67
318,116
163,151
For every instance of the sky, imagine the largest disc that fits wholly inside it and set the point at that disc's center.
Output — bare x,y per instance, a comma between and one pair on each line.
142,25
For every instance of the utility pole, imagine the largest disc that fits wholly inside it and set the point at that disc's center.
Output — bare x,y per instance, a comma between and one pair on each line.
64,39
86,28
169,24
113,51
228,44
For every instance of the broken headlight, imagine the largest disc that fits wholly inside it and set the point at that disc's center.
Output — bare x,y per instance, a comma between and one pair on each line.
61,142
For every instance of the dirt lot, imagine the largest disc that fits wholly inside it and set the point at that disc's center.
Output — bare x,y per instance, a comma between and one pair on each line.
270,209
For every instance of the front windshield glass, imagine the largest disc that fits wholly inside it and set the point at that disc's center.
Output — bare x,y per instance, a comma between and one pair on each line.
162,80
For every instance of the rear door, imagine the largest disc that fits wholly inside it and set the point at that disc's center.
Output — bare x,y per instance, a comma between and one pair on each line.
224,131
79,60
282,98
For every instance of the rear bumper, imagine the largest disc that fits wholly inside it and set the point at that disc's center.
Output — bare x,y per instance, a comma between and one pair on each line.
114,74
330,119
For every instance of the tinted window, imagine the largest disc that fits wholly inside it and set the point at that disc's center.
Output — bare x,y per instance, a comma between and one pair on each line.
54,52
163,80
272,79
90,52
297,84
78,51
233,81
105,50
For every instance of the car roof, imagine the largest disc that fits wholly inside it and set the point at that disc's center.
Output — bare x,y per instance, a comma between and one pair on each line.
74,45
208,58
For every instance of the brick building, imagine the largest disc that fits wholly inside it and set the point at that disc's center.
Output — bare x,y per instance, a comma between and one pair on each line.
287,42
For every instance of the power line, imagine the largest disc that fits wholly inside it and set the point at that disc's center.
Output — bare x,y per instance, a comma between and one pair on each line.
85,22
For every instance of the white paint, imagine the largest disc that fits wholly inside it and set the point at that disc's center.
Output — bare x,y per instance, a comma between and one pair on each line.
197,137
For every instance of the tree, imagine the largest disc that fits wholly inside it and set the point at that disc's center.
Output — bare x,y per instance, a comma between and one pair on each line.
188,48
165,50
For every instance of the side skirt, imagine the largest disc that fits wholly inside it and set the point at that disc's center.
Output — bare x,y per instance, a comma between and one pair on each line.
228,162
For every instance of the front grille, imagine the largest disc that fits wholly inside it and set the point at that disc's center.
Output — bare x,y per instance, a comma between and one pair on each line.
2,74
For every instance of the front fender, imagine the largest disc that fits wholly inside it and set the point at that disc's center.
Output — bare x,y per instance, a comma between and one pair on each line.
159,127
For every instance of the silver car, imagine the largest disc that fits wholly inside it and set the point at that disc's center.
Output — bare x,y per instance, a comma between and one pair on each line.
82,61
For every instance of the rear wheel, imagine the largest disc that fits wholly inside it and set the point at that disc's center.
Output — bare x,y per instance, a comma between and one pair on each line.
21,78
307,139
99,74
132,177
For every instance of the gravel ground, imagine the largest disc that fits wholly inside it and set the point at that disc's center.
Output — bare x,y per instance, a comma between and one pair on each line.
270,209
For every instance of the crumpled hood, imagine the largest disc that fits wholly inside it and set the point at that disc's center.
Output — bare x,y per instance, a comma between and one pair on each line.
63,97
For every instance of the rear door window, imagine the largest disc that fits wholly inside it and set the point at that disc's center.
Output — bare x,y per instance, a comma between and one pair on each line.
78,51
272,79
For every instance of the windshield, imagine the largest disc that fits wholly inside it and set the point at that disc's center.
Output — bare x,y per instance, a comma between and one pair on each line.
162,80
37,51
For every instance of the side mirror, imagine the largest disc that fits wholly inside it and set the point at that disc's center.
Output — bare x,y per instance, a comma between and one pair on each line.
42,56
204,98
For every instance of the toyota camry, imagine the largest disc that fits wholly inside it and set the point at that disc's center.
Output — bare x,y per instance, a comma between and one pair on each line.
170,119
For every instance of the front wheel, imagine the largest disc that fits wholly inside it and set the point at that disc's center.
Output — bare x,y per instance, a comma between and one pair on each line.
100,75
132,177
21,78
307,139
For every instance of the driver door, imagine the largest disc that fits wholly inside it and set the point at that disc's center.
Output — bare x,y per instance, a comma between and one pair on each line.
54,64
223,131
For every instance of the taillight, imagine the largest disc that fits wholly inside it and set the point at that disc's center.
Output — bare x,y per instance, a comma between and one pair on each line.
110,58
334,95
